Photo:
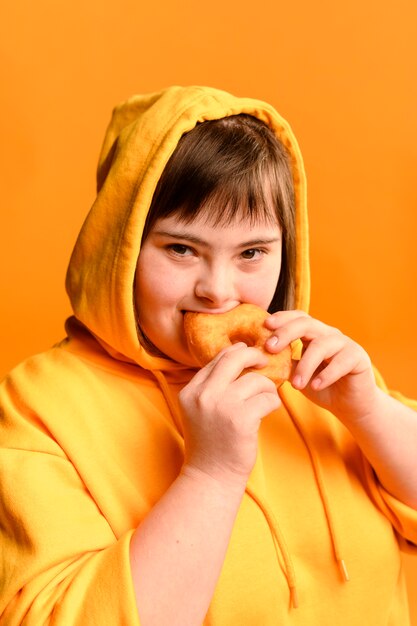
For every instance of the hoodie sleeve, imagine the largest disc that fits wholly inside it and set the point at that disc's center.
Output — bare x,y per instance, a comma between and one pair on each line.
402,517
60,560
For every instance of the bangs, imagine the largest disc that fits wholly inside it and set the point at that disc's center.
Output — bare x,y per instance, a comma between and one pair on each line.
248,197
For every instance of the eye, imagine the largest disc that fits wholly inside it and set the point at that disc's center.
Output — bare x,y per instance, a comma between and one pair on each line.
179,249
252,253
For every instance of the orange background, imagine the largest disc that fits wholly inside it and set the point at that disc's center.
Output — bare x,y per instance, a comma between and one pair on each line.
345,76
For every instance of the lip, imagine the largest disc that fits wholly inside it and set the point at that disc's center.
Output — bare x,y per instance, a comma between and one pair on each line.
209,311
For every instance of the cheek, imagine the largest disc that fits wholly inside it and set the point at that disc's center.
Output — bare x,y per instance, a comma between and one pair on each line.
142,287
157,287
260,289
146,295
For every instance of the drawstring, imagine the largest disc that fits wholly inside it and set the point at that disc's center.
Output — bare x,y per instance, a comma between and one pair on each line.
171,402
279,539
323,495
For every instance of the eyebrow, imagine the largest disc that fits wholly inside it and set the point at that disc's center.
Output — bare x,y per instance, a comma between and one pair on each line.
201,242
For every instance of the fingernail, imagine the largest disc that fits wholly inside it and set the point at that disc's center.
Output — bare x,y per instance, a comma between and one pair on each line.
297,381
272,341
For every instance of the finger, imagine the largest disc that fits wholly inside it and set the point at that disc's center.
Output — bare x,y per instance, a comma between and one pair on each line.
343,363
252,384
258,393
318,353
262,404
303,327
205,371
283,317
231,364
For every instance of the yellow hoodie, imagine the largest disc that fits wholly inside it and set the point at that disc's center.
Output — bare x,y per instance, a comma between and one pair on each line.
90,438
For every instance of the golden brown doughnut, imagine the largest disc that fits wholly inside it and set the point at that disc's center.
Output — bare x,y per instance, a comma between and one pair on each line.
208,333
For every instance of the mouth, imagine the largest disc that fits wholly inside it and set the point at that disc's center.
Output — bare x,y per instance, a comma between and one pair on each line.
208,311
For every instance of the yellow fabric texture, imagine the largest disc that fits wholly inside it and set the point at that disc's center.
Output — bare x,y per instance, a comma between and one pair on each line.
90,438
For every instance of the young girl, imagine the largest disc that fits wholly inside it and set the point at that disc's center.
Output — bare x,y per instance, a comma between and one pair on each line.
139,489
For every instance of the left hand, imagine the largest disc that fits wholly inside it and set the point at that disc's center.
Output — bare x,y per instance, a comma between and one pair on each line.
334,371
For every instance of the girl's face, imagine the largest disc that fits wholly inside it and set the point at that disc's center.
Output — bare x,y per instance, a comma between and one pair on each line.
200,267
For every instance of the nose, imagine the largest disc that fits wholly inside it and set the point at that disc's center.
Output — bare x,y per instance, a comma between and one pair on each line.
215,286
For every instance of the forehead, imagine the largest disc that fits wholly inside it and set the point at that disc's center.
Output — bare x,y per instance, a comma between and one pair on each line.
203,227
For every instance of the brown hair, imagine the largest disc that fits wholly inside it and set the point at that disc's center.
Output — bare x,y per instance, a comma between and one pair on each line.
234,166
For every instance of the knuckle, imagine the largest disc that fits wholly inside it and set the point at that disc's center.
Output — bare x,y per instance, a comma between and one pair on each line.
315,345
204,398
227,356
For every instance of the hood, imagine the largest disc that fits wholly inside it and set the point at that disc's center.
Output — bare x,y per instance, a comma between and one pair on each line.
142,134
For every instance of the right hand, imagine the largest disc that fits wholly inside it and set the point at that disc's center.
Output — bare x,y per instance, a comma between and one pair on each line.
222,412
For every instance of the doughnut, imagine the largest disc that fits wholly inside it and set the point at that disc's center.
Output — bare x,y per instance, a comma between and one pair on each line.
208,333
